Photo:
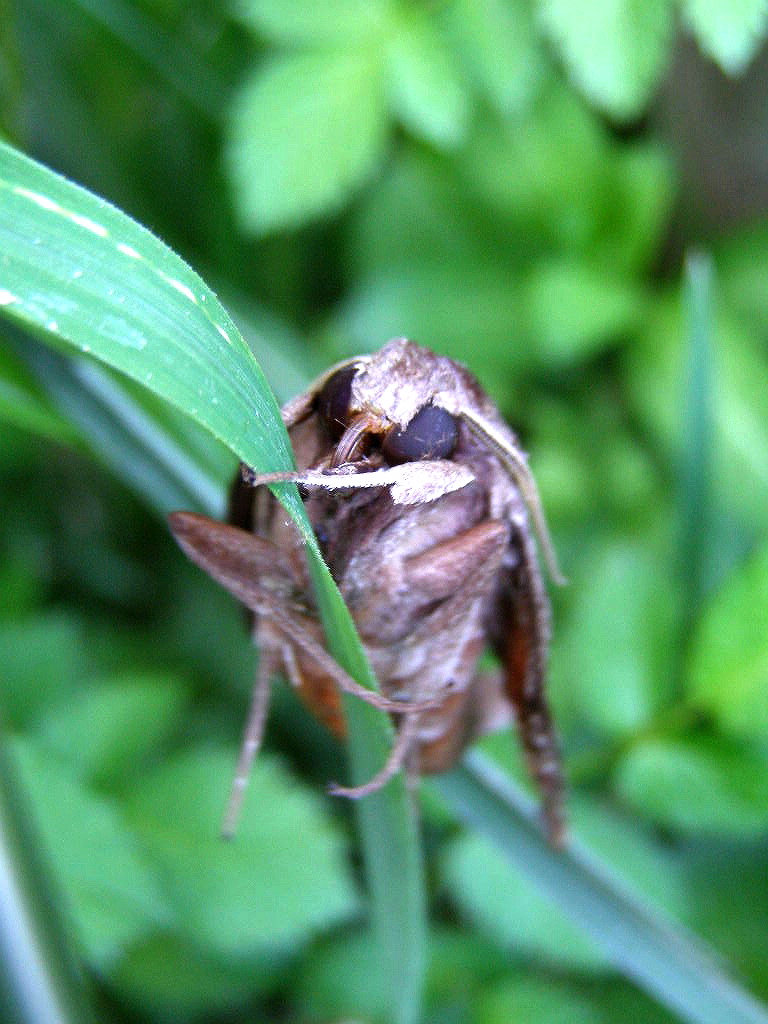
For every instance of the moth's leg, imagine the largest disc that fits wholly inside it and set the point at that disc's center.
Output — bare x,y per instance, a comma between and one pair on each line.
398,755
524,654
269,664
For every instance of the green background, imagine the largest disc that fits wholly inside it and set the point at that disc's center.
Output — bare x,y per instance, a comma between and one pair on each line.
569,197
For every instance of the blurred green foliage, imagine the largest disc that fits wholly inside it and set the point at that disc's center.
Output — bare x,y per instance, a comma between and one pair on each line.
497,179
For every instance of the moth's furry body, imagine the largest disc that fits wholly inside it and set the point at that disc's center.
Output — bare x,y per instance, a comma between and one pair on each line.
435,563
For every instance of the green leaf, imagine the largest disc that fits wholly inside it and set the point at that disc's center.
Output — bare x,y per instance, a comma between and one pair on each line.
21,591
497,41
728,31
739,367
109,729
614,50
426,90
115,897
731,877
305,131
22,405
739,258
728,667
543,174
283,877
338,980
638,190
412,216
43,660
461,964
170,979
532,999
509,910
613,660
575,310
150,447
695,468
696,786
81,273
430,303
42,977
333,22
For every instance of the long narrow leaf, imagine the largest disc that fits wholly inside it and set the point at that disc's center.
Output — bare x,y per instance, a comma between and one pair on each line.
659,956
694,499
81,275
39,981
126,436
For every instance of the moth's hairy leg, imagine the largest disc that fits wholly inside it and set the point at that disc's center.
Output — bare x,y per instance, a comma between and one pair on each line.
398,755
269,663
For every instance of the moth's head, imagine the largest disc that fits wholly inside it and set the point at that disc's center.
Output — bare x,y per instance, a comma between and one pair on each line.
412,404
400,398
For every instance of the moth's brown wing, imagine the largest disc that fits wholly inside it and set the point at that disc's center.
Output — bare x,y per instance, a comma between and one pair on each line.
252,569
262,577
520,630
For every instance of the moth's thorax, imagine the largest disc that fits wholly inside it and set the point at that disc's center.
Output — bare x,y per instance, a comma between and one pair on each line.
396,382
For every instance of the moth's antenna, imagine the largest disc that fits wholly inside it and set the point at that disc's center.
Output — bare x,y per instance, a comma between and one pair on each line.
516,464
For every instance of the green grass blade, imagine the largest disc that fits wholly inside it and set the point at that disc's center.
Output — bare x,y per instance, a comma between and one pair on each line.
83,276
695,512
185,72
22,403
659,956
125,435
39,982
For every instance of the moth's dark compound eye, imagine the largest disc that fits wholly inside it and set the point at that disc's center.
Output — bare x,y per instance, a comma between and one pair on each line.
431,434
333,401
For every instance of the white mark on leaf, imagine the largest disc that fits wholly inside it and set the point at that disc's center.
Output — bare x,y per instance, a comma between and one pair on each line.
46,203
87,223
180,287
40,200
128,250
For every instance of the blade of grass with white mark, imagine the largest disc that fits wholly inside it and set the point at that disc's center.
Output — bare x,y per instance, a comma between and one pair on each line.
84,277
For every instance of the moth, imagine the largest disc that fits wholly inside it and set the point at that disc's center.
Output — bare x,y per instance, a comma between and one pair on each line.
426,511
